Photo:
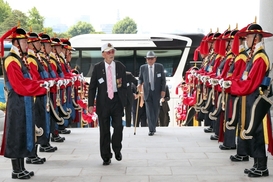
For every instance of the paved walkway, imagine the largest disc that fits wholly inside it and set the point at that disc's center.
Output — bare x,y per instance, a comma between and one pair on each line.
171,155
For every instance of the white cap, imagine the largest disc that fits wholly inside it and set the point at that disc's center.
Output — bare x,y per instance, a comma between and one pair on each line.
107,47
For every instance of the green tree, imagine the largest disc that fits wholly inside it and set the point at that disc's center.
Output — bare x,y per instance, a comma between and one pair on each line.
49,31
35,20
80,28
5,10
63,35
98,32
13,20
125,26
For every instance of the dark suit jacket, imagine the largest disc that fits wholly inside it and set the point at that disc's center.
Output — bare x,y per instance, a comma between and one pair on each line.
98,85
130,79
159,80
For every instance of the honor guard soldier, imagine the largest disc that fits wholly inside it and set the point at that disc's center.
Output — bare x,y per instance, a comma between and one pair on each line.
72,88
237,66
53,115
62,114
254,88
41,114
19,135
66,97
208,92
219,96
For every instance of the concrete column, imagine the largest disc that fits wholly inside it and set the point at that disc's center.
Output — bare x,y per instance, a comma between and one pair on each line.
265,19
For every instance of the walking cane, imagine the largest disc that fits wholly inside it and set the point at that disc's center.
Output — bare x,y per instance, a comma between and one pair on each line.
136,115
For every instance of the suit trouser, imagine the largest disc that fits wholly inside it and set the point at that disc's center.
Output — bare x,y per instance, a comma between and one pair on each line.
141,118
152,110
113,112
128,113
163,117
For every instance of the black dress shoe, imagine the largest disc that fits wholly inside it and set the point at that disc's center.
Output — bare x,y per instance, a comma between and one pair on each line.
20,175
214,137
31,173
151,133
47,148
118,157
65,131
238,158
208,130
42,159
223,147
258,173
106,162
34,160
57,139
246,171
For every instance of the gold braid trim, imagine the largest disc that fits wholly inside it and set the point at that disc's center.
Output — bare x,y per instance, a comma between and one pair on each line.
228,123
243,116
265,128
252,116
204,108
212,114
56,115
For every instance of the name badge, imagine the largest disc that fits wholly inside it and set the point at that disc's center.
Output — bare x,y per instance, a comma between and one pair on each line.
101,80
158,75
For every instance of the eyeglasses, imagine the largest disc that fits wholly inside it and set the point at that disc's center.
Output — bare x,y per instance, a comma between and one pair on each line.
110,52
149,58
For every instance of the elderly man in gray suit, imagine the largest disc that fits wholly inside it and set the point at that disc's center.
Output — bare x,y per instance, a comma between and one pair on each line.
152,76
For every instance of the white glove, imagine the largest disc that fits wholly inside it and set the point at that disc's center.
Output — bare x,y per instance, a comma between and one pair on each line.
193,72
51,83
67,81
220,82
74,78
190,76
45,85
204,79
210,81
213,81
81,77
226,84
60,83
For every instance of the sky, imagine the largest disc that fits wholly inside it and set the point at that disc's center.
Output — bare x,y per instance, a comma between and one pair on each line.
151,16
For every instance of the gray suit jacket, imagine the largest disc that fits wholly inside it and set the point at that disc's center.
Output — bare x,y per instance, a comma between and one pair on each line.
159,80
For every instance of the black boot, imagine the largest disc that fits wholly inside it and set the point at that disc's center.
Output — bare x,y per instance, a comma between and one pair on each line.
17,172
35,159
255,165
261,169
22,166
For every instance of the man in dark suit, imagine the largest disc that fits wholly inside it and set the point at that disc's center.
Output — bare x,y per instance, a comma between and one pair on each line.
152,76
164,118
108,85
130,97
